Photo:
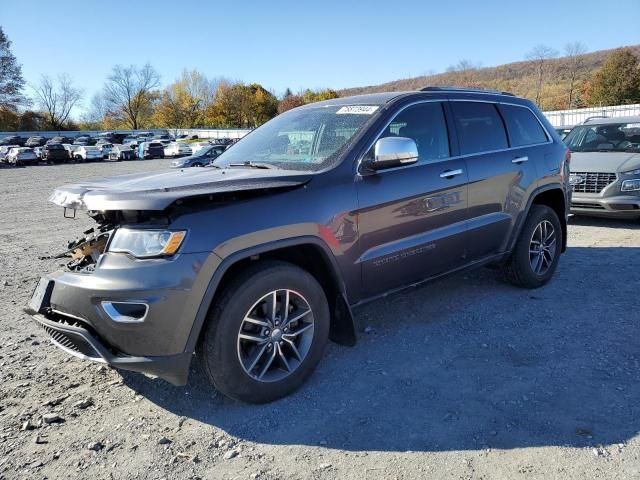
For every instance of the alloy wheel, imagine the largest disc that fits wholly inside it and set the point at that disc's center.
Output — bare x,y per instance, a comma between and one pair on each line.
542,247
275,335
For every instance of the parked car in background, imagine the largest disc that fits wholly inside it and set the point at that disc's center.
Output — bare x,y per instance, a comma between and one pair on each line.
13,140
21,156
55,153
130,140
70,148
38,152
196,146
200,159
35,141
122,152
177,149
150,150
605,167
60,139
87,153
105,147
4,150
84,140
563,132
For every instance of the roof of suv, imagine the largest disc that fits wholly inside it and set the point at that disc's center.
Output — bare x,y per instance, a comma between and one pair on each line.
386,97
609,120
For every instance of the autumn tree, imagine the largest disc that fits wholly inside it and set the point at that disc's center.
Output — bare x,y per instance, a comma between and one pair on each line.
183,104
310,96
129,93
540,56
289,102
618,81
11,81
241,106
574,54
56,99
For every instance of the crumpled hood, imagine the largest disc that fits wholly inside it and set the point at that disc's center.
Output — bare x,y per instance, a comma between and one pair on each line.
157,190
603,162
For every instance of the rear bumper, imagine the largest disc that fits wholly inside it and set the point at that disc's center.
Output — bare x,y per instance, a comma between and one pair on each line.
621,206
76,339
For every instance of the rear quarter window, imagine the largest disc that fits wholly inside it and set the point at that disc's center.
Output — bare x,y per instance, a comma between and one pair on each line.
522,125
480,127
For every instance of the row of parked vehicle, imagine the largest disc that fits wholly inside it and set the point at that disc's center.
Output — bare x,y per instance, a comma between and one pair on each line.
17,151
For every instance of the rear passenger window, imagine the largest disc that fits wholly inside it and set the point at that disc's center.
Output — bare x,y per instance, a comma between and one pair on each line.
425,124
524,128
480,128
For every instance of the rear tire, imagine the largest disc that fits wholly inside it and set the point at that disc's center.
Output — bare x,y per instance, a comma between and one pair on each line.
537,252
254,352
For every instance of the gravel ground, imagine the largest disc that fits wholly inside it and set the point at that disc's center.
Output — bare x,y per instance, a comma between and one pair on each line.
464,378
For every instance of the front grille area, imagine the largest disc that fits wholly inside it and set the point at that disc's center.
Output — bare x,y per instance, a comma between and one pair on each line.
593,182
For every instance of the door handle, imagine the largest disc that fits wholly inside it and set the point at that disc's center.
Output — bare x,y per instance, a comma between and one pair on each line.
520,160
451,173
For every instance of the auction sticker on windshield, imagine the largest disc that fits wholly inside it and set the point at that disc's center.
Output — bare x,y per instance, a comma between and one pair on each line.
358,109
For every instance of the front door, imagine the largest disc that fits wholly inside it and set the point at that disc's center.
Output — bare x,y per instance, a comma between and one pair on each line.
412,219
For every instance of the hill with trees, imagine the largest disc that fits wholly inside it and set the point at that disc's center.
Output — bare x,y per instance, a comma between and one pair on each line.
554,83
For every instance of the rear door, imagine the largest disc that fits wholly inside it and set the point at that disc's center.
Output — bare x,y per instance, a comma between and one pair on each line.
411,218
500,177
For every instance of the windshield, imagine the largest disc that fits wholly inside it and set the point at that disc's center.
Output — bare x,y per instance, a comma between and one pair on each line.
610,137
304,139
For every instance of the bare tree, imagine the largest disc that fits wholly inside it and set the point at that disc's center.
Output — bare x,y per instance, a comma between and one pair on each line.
128,92
540,55
466,72
56,98
96,111
574,52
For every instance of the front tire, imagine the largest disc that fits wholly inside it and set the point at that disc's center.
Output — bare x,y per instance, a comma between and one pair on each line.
537,252
266,333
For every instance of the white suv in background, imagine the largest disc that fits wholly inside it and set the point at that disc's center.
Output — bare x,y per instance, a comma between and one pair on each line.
87,152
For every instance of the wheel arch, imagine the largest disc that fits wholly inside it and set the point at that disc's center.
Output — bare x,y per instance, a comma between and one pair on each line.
553,196
309,253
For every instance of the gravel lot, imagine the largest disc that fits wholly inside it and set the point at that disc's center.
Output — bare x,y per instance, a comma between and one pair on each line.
464,378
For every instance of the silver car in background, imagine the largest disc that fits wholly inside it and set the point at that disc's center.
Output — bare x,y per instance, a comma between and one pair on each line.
605,167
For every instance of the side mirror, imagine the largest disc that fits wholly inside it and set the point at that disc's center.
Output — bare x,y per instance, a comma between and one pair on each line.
393,152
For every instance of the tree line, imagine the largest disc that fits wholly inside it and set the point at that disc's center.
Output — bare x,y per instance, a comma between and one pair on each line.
132,96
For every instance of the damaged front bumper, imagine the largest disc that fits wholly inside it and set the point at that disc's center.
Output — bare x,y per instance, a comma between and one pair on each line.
74,338
130,313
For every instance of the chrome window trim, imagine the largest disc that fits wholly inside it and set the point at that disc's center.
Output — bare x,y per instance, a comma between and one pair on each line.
455,157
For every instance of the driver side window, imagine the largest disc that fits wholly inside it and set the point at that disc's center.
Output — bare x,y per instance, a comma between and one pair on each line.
425,124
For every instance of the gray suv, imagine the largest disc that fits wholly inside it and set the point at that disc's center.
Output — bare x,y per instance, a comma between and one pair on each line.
605,167
254,262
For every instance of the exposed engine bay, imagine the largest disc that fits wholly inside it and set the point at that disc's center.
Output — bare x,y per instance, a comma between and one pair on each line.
85,250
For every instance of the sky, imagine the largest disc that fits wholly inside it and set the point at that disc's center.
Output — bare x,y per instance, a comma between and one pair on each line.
299,44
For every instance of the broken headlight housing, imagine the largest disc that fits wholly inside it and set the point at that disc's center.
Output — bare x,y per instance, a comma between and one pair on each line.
147,243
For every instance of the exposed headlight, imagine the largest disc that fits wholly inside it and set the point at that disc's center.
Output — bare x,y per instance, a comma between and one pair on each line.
631,185
147,243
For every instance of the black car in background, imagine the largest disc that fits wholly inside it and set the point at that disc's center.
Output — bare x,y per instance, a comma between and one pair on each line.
56,153
35,141
154,150
13,140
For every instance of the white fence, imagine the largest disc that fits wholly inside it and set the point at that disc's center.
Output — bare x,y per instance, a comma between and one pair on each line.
569,118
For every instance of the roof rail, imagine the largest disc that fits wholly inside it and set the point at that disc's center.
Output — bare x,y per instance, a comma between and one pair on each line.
464,89
594,116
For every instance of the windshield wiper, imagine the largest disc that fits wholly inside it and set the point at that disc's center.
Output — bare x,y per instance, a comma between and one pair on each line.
252,165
